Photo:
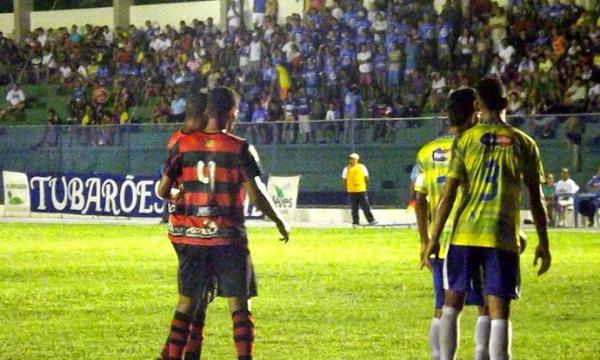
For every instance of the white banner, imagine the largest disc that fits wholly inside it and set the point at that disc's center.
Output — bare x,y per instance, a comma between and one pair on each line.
284,191
16,192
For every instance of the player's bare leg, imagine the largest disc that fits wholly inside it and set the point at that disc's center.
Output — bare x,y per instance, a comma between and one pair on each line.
449,334
243,327
482,334
500,333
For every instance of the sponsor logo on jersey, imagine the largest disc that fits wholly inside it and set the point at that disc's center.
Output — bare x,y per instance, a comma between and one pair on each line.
491,139
210,143
441,155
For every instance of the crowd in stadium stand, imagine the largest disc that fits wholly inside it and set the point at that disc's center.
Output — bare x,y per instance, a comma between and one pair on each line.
339,60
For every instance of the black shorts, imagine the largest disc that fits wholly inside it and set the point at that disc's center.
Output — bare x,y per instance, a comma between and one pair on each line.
230,265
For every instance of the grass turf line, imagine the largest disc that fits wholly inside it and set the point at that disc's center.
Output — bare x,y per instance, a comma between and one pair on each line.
105,292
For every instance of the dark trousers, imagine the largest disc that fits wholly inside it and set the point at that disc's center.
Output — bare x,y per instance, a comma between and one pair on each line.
588,207
360,199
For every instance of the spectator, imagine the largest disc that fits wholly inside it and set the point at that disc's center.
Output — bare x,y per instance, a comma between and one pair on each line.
16,101
289,118
50,134
575,130
177,114
303,107
161,112
590,203
258,12
549,190
259,119
566,189
355,178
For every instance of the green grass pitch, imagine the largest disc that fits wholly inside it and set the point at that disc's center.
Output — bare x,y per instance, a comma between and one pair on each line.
108,292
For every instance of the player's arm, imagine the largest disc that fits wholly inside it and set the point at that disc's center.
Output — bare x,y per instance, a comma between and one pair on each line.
538,211
441,216
257,192
533,180
171,173
422,213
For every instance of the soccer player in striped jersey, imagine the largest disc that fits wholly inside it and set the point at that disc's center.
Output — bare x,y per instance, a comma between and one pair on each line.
195,120
488,162
215,170
433,160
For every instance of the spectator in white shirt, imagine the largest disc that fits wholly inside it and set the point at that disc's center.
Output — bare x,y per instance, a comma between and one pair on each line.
506,51
49,63
331,116
566,188
256,49
234,17
16,101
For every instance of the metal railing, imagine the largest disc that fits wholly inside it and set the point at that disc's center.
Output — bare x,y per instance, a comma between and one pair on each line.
388,147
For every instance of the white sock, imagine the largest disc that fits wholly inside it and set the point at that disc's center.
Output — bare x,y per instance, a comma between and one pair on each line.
449,333
482,338
500,339
434,338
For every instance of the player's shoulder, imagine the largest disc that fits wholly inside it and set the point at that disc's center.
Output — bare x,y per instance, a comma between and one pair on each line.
523,138
443,142
175,137
235,138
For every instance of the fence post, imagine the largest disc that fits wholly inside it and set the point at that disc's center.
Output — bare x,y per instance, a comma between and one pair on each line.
128,136
353,125
60,145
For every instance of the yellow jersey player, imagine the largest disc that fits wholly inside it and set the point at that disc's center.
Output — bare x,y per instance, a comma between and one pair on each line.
433,160
488,162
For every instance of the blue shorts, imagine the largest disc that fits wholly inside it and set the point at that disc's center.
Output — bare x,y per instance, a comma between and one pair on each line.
501,275
474,294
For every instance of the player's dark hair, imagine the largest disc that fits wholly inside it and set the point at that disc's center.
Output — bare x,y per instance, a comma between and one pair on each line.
491,93
195,105
461,105
221,101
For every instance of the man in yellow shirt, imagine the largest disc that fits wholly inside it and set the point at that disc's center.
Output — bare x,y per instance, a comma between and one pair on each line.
356,180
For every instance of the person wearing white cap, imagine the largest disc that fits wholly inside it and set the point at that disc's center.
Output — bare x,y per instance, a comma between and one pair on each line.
356,180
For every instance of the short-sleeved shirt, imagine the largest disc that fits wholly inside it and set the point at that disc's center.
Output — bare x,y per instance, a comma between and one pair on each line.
354,176
211,168
490,160
433,160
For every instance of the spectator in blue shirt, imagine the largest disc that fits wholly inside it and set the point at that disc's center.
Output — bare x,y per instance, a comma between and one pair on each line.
303,108
259,119
352,101
312,78
258,13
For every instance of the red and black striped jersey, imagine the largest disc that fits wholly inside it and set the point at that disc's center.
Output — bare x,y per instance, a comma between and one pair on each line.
211,168
177,135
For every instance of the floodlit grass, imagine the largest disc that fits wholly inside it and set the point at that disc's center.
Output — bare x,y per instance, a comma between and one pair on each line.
108,292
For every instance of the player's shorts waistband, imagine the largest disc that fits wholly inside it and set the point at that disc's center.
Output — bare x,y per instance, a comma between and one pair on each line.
206,232
204,211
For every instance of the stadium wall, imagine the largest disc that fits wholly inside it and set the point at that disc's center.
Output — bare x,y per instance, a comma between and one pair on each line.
163,14
167,13
7,24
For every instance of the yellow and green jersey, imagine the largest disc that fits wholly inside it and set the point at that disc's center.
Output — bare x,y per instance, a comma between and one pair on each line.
433,161
489,160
